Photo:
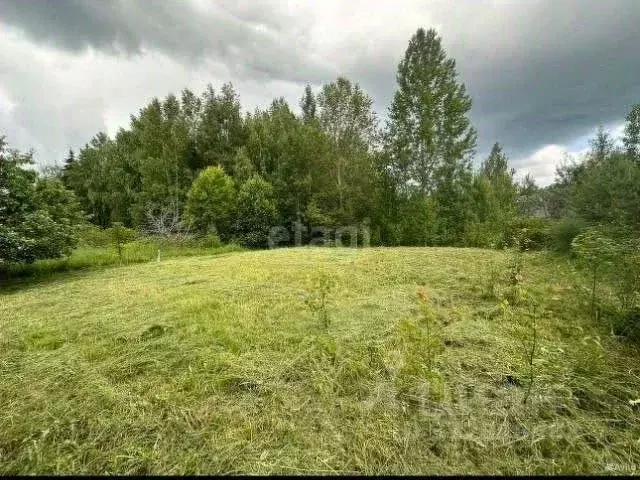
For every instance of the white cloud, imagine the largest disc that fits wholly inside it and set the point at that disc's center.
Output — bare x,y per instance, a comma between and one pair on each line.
542,163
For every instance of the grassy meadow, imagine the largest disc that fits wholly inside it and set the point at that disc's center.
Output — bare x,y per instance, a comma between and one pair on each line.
91,256
226,363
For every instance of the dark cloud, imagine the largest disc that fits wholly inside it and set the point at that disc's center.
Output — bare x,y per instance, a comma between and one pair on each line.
181,29
576,68
540,72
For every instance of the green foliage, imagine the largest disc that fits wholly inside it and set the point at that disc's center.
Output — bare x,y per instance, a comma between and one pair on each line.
603,189
596,252
211,202
220,127
608,193
417,151
530,198
344,178
243,168
417,222
332,167
493,202
210,240
256,212
528,233
593,248
421,344
308,105
37,236
316,298
498,197
38,216
120,236
629,324
427,148
90,235
632,133
493,281
626,274
520,309
564,231
60,203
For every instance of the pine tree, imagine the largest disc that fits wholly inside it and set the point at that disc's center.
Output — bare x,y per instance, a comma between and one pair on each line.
71,158
68,165
308,105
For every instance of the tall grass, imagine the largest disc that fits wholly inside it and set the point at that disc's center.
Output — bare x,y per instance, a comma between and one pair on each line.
90,257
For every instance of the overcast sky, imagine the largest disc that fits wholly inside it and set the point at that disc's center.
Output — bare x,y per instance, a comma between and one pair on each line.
543,74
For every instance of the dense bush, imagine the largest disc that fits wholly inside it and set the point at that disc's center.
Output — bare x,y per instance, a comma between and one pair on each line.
529,233
211,240
90,235
257,212
564,231
38,216
484,235
629,325
211,202
417,223
626,274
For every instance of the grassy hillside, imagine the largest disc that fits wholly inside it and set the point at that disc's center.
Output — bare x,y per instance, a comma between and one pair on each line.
216,364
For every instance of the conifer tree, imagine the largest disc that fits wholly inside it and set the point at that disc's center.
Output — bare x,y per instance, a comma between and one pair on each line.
308,105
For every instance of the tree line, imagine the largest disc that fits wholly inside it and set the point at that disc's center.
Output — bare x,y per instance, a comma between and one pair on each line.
196,163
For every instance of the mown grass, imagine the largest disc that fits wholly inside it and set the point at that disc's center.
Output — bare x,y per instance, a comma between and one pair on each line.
217,365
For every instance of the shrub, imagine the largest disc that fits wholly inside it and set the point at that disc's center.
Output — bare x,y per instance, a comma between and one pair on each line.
38,216
90,235
257,212
38,236
211,240
626,274
483,235
420,342
528,233
417,223
317,297
211,202
563,233
595,251
120,235
629,325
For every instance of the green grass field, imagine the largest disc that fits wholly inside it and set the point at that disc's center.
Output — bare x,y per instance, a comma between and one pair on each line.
215,364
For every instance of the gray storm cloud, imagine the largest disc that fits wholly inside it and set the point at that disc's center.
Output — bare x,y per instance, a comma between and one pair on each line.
540,72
